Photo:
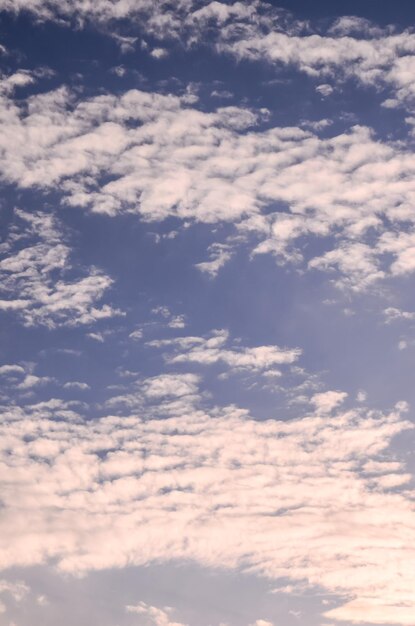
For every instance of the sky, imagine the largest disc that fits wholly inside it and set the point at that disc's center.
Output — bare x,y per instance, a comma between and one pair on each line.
207,313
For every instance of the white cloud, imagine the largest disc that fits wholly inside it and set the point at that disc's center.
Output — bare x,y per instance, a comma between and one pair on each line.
282,499
159,53
76,385
171,385
17,589
162,21
326,401
351,48
211,167
136,335
375,57
177,321
173,393
324,89
11,370
213,349
172,320
96,337
156,616
220,254
361,396
374,612
30,380
392,314
36,265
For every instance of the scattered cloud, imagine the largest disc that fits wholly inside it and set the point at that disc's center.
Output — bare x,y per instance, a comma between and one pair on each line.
40,281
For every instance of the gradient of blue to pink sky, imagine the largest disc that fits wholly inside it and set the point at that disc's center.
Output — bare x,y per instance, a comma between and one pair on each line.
207,313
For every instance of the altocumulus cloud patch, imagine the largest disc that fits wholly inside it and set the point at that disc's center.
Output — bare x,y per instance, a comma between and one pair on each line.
206,264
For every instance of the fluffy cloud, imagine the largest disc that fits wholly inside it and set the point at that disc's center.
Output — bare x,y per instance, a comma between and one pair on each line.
166,159
316,500
34,268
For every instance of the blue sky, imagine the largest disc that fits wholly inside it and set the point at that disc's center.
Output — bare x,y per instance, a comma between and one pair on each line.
207,313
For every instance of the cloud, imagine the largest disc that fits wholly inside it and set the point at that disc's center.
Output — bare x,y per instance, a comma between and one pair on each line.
171,320
161,19
17,589
374,612
326,401
31,381
11,370
324,89
213,349
351,47
156,616
177,385
220,254
36,266
76,385
167,159
136,335
159,53
282,499
393,314
173,393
